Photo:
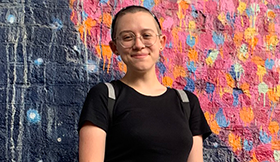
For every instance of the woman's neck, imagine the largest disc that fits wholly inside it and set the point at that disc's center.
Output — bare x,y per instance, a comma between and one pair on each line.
144,83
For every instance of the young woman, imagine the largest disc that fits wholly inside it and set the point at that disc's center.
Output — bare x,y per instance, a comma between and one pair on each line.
149,123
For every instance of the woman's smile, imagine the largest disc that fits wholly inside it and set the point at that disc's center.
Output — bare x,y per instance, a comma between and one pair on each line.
139,56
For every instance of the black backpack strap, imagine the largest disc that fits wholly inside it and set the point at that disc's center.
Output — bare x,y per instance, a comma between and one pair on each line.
111,99
185,101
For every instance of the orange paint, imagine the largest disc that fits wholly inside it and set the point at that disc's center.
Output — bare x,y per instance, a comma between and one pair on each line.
234,141
270,14
230,80
275,144
272,40
176,42
167,81
238,37
272,96
273,127
71,3
258,61
254,158
86,27
271,28
193,55
245,88
183,5
106,55
157,2
212,123
122,66
179,71
106,18
246,115
253,42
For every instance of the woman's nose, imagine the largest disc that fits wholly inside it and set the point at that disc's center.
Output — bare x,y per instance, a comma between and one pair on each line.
138,43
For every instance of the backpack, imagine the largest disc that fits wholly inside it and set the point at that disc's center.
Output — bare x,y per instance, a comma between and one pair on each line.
112,97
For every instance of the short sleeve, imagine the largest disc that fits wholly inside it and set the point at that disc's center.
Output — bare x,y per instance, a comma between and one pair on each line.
197,121
95,107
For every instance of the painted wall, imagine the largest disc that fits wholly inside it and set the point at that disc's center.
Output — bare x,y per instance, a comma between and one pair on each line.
53,51
225,51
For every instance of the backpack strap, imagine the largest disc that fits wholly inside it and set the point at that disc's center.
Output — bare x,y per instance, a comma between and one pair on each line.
185,102
111,99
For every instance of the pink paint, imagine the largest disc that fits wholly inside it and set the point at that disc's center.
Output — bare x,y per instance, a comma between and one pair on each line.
228,6
205,41
168,23
264,153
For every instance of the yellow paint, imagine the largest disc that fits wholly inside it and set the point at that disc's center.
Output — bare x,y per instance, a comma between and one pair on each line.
242,56
242,7
212,123
167,81
86,27
250,36
273,127
192,25
193,55
238,37
179,71
246,115
250,33
230,80
106,18
106,54
260,72
222,18
209,61
234,141
277,92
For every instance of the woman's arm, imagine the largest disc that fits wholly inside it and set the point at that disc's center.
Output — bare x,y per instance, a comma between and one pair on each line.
91,143
196,154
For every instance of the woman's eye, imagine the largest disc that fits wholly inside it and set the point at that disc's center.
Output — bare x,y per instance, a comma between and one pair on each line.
147,36
127,37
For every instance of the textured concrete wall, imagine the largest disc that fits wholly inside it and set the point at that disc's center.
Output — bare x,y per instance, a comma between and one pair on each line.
53,51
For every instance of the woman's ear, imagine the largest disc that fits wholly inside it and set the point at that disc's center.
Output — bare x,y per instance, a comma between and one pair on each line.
113,47
162,41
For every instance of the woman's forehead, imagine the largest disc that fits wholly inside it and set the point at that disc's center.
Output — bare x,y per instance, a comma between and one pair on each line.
136,20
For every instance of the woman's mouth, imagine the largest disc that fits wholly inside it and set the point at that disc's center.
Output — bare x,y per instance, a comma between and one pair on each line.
139,56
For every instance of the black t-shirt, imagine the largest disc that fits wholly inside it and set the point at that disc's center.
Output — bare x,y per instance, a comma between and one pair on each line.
144,128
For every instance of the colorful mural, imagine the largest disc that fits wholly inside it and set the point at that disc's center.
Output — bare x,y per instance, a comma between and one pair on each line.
225,51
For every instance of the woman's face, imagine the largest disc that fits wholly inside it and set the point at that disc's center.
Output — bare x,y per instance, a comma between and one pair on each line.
138,41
